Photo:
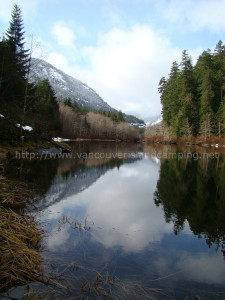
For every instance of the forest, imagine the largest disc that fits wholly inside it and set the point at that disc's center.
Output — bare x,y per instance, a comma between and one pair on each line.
193,96
184,191
35,105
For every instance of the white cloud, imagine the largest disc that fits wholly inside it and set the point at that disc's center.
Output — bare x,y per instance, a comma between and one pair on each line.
59,61
63,34
209,14
132,229
126,66
195,15
202,267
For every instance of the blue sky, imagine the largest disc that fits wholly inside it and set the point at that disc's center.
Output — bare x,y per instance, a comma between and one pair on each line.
121,48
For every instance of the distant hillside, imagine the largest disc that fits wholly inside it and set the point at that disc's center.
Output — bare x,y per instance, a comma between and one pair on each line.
67,86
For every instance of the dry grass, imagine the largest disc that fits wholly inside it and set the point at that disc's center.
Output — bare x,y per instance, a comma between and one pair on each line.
14,194
20,249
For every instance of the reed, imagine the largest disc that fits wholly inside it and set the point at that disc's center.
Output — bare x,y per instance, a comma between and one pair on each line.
20,242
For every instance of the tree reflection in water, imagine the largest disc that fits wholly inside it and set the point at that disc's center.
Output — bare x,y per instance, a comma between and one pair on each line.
194,191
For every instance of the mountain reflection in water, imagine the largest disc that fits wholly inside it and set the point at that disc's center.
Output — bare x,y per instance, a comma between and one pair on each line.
158,223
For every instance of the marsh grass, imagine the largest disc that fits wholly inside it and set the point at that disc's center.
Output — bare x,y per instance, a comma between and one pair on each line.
14,194
20,241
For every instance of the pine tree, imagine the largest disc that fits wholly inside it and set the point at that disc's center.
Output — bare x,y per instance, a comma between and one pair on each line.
120,117
219,63
15,37
46,111
188,93
169,90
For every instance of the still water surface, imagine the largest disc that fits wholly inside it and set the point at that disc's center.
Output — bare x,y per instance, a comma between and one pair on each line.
145,227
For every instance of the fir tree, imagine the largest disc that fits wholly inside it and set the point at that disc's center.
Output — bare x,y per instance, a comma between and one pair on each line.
120,117
15,37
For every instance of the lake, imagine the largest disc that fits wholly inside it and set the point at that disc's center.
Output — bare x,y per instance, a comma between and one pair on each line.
130,221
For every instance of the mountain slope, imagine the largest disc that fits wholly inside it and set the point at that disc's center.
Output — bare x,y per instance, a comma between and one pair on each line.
152,121
67,86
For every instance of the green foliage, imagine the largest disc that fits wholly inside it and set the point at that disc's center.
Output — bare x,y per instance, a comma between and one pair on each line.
72,103
12,82
15,37
193,190
17,96
194,95
120,117
116,117
68,102
83,110
45,113
8,131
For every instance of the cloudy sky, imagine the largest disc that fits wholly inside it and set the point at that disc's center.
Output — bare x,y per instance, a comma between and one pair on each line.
120,48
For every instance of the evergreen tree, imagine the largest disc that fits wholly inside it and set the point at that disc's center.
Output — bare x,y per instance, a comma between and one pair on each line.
169,90
205,74
120,117
219,62
15,37
188,93
193,98
46,111
68,102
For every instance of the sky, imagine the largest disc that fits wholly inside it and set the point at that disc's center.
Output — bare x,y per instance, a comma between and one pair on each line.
120,48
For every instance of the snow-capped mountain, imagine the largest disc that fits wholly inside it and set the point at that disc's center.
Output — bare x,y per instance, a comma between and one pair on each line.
157,122
66,86
154,121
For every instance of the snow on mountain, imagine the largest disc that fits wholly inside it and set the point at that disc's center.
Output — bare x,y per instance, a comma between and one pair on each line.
66,86
154,121
157,122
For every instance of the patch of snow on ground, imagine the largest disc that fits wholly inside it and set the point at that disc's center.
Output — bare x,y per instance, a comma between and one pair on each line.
58,139
28,128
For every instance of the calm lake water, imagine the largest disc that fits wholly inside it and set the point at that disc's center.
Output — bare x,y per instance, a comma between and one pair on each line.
131,222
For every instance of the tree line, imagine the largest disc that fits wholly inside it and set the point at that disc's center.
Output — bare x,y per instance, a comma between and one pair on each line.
23,103
117,117
93,124
193,190
193,96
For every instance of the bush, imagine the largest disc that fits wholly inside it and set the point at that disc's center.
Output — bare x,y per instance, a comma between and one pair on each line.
8,131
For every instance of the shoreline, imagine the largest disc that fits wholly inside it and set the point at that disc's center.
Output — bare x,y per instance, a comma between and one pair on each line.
214,142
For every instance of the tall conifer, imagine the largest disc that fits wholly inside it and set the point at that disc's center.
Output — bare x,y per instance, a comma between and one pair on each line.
15,37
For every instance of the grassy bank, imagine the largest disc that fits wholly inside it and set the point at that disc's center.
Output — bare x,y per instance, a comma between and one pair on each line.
20,236
212,141
20,241
22,146
7,151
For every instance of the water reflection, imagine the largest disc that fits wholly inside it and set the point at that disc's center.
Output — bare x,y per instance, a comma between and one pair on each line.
120,216
124,212
194,191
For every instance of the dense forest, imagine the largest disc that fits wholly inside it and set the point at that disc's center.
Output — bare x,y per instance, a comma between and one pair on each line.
23,103
193,97
184,191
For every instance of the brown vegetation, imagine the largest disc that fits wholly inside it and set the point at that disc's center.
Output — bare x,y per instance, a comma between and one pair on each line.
164,135
20,237
94,125
19,243
13,193
160,134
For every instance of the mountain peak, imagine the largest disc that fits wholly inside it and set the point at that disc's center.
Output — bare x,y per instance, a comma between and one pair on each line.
66,86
